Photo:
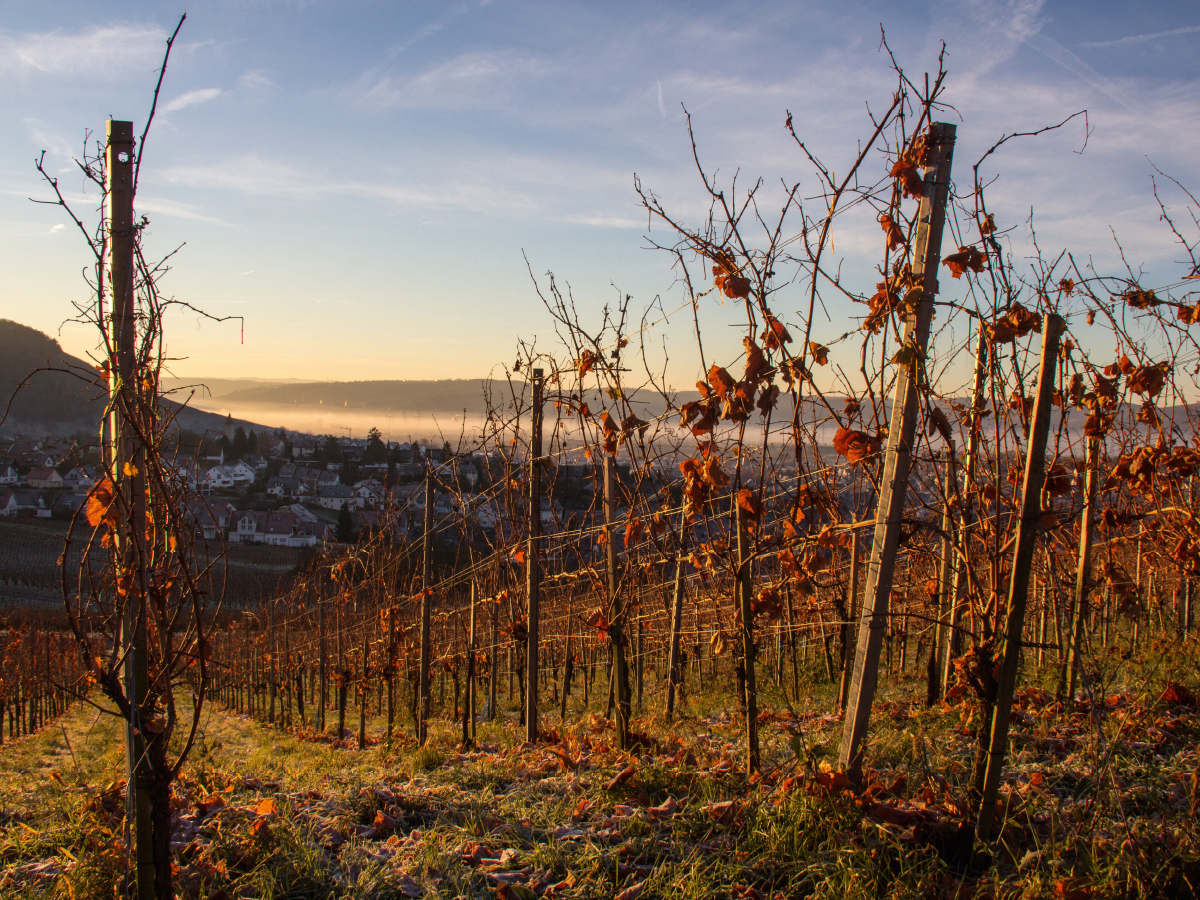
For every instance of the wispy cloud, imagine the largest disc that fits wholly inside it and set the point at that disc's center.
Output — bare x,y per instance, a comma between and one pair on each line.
254,175
1142,38
176,210
257,80
1055,51
191,98
456,12
106,52
469,80
996,29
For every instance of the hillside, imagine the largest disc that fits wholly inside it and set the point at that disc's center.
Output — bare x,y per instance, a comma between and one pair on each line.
395,396
57,402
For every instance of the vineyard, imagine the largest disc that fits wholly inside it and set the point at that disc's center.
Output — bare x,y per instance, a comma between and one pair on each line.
901,611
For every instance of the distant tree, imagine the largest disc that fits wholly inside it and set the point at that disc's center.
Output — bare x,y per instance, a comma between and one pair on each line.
240,445
329,450
375,451
345,526
252,442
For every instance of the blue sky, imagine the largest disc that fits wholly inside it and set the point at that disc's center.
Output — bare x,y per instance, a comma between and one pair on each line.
360,181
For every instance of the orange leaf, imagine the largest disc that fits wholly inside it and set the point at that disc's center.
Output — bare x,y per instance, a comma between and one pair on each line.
749,503
895,237
721,381
965,258
775,335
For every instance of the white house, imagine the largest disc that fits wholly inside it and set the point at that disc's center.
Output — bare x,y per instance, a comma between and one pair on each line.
368,493
81,477
241,472
278,527
8,503
9,474
218,478
336,496
32,500
257,463
303,514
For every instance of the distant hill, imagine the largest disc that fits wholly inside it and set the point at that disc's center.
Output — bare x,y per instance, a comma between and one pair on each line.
52,402
451,395
445,396
56,402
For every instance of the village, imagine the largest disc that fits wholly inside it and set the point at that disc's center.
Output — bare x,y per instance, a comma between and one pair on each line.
291,490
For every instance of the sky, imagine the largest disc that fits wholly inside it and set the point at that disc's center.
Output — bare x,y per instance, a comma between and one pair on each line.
368,185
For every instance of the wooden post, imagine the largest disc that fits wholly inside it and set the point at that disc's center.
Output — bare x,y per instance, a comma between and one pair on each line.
640,669
619,682
423,697
322,663
533,574
791,642
852,607
286,699
273,671
126,450
1086,528
934,686
958,590
674,668
1018,585
468,729
898,456
342,673
568,663
362,690
494,661
745,576
391,670
1041,653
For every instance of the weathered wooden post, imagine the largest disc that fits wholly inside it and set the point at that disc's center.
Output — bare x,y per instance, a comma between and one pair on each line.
1086,531
744,587
958,590
494,661
273,671
423,698
342,674
362,688
1018,585
935,686
619,684
674,669
391,670
468,729
852,608
533,573
126,455
568,662
898,455
323,662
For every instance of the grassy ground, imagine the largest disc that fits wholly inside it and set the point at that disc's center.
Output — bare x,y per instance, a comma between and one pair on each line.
1099,802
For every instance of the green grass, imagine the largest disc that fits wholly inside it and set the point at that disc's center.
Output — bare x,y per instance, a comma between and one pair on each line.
1111,811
